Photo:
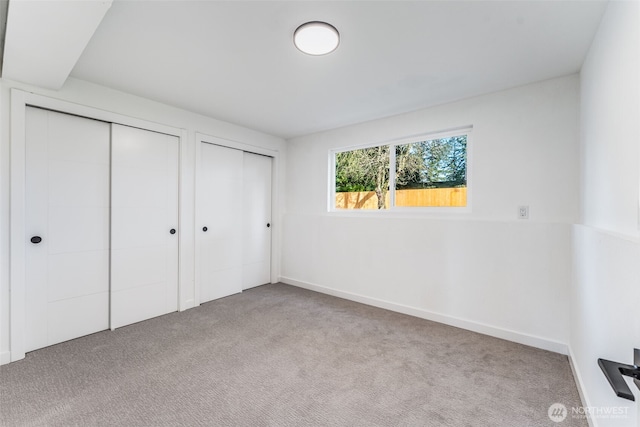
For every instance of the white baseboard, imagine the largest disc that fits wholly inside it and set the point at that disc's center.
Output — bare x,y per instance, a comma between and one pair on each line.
579,385
509,335
5,357
186,305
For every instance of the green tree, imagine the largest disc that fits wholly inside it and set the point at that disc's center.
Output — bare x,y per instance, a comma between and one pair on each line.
409,164
366,169
435,163
458,160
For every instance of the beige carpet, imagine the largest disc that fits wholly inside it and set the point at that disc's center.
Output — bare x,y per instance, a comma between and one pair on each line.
282,356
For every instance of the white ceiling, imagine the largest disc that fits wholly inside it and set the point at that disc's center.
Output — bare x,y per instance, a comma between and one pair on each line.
44,39
235,60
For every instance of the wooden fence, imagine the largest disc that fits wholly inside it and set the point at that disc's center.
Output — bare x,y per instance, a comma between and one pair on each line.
427,197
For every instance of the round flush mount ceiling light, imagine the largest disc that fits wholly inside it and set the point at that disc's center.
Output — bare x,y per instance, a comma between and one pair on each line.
316,38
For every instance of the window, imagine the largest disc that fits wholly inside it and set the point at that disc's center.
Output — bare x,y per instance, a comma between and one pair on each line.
362,178
421,172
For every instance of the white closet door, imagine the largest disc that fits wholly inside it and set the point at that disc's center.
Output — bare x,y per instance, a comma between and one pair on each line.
144,225
220,217
67,207
256,214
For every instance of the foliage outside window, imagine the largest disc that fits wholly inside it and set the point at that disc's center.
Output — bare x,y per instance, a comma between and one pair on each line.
424,173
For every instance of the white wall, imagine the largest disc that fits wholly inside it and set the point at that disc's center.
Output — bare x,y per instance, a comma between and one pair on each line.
485,270
94,96
605,300
609,123
605,296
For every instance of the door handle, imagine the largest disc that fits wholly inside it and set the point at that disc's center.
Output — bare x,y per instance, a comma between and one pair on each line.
204,229
172,231
268,225
36,239
614,371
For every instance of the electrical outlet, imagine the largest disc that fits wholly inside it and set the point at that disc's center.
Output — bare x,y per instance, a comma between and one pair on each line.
523,212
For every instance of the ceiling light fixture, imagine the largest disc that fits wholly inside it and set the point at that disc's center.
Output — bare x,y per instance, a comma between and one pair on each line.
316,38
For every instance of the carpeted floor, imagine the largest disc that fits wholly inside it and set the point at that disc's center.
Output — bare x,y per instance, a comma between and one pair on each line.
282,356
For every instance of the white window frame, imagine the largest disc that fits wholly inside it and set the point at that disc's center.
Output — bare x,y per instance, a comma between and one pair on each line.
393,209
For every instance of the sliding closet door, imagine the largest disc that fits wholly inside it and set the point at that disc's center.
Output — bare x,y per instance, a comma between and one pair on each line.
67,224
256,213
144,225
220,221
